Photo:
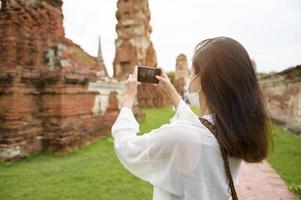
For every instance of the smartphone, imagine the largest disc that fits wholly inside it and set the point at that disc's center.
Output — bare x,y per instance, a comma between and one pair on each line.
148,74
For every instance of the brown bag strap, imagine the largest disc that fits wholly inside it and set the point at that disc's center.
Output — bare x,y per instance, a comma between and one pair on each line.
212,129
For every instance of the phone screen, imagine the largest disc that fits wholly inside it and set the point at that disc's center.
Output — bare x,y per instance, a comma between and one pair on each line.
148,74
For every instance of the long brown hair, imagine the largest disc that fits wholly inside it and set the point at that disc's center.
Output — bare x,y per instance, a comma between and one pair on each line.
232,93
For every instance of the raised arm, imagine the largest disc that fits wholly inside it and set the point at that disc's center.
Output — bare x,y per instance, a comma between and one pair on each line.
152,156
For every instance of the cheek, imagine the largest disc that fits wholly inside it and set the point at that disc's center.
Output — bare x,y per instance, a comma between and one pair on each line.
195,85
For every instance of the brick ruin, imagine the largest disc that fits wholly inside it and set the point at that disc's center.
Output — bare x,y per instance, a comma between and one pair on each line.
53,95
182,73
282,92
134,47
133,44
44,77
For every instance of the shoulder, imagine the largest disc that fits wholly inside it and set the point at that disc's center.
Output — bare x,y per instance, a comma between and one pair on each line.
184,114
182,134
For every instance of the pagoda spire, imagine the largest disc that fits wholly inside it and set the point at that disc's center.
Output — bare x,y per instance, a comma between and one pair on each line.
100,59
99,54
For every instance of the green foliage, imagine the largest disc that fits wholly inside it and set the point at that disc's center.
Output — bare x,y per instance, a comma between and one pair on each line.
82,56
295,188
171,76
286,158
265,74
19,67
94,171
155,118
91,172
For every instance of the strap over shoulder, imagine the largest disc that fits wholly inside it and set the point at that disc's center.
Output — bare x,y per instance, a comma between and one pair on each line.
213,130
209,125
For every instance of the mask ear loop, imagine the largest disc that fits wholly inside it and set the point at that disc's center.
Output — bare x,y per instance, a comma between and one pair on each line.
189,83
200,90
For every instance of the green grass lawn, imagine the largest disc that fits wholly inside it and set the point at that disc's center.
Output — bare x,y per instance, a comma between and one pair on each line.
286,158
94,172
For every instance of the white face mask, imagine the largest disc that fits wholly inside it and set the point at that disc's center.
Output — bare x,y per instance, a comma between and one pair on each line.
193,97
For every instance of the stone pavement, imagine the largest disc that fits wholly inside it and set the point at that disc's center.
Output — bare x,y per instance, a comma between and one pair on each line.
259,181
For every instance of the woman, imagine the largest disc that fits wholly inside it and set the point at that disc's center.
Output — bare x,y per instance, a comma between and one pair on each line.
183,159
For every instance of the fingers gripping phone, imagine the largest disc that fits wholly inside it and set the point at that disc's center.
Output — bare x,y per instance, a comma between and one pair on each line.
148,74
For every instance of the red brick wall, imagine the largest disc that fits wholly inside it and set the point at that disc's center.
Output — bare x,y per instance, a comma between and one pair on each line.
26,29
44,101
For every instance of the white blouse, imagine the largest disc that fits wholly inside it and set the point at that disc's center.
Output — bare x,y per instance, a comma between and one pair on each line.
181,159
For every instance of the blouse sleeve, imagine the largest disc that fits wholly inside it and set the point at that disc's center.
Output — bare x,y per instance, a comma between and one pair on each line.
151,156
138,153
130,148
183,113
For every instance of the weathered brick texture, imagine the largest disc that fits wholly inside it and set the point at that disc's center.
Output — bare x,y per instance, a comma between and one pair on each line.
134,47
44,77
282,92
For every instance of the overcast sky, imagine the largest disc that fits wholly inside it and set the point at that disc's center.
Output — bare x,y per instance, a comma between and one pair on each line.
270,30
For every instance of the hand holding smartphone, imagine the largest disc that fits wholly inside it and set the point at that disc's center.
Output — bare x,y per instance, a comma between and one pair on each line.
148,74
